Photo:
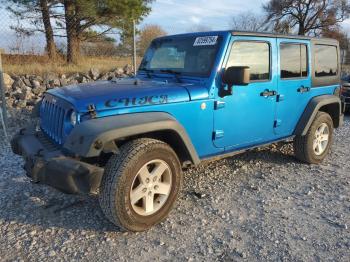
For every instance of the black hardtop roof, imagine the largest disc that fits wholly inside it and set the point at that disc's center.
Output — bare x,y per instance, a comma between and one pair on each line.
262,34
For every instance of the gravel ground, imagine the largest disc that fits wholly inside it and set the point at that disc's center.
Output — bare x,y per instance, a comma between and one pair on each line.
262,205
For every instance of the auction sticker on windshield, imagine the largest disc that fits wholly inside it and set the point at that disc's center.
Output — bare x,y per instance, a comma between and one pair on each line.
205,40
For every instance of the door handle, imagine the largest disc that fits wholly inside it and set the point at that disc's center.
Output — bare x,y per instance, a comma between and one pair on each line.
268,93
303,89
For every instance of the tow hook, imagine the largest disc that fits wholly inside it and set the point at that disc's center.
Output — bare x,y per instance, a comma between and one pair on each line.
39,153
21,132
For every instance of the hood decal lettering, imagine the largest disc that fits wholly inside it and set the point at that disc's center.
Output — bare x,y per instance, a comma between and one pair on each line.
142,101
134,101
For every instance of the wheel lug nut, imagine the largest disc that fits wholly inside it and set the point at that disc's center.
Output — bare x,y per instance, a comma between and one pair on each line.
144,190
147,180
156,187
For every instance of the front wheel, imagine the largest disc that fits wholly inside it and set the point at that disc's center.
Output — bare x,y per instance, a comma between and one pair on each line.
315,145
140,184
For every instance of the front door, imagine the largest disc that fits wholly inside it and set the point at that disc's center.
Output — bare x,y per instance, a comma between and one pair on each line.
294,84
247,116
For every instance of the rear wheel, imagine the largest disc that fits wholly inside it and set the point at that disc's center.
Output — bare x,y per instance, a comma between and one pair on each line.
315,145
140,184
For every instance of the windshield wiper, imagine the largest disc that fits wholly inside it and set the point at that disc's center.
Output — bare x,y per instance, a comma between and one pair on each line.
170,71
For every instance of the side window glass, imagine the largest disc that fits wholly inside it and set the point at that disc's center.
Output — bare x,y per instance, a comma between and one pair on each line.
256,55
326,60
293,61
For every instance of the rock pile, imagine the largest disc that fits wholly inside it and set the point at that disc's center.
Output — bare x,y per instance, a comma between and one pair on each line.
25,90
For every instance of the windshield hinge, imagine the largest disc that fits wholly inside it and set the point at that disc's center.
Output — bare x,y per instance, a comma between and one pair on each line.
92,110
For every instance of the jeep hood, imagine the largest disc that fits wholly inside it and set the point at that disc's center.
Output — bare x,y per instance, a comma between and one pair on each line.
129,92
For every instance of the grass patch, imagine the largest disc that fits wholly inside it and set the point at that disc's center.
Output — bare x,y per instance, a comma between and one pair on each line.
39,65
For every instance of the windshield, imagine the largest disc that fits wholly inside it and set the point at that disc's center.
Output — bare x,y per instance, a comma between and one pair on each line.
186,55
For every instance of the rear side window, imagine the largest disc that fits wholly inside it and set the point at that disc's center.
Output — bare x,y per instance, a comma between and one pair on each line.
326,60
256,55
293,61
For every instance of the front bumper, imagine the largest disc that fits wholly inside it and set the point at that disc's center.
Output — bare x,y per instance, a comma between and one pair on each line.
45,163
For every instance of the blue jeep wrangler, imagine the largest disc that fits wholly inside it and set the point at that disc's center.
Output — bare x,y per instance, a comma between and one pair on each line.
196,97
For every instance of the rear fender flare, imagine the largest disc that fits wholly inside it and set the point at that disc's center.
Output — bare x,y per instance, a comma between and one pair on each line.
311,110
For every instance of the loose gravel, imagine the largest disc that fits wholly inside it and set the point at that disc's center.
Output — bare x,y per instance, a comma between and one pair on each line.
261,205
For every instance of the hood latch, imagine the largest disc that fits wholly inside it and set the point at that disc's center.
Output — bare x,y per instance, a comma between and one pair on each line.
92,110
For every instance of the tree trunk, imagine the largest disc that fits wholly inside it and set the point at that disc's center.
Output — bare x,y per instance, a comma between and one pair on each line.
301,30
50,42
73,42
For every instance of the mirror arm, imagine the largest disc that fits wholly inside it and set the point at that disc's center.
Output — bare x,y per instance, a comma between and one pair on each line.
226,92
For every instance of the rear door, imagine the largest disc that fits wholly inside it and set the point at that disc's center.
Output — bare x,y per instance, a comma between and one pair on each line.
294,84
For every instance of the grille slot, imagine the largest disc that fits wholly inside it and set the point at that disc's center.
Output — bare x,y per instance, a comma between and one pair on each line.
52,120
47,143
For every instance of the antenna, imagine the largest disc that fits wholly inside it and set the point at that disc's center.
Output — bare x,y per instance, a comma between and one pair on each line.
134,46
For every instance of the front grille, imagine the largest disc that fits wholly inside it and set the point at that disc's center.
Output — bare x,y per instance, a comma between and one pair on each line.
53,114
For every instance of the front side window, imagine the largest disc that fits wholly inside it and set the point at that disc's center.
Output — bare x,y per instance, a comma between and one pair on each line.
326,60
293,60
255,55
183,55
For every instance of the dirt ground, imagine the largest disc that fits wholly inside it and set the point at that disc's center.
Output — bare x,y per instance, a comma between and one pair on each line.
262,205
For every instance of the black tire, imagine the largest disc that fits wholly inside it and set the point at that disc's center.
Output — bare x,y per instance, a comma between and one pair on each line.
118,178
303,145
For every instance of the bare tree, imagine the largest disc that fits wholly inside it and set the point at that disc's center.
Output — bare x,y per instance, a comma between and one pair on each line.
307,16
337,33
147,34
248,22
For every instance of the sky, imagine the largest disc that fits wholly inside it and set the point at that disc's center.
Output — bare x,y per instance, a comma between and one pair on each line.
175,16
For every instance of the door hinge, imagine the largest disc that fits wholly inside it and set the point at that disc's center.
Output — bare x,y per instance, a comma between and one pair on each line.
219,104
218,134
277,123
280,97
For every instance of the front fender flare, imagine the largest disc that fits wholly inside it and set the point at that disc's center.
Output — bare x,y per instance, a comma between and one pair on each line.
83,138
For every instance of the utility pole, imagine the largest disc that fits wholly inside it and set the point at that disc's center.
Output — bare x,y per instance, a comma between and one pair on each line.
3,112
134,46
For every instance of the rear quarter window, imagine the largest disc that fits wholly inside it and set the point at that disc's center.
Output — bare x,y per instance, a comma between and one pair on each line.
326,60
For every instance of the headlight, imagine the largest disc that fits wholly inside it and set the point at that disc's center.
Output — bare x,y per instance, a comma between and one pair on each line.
73,118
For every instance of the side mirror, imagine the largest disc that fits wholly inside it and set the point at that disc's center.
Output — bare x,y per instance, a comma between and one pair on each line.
235,75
